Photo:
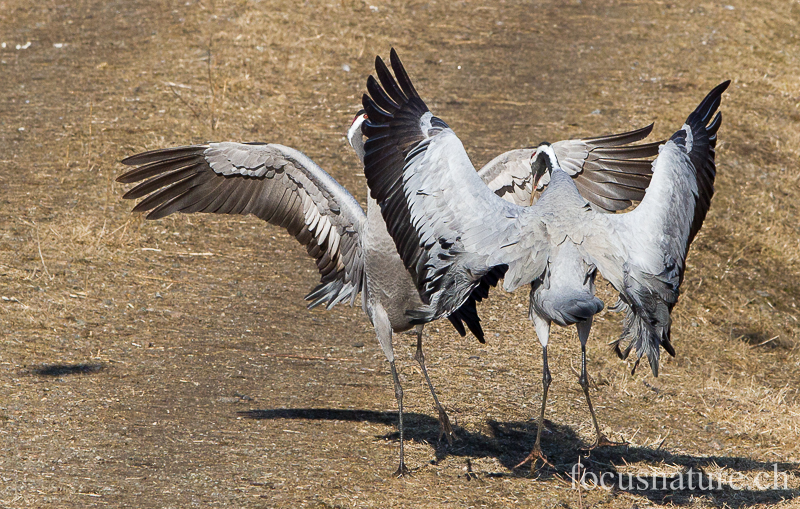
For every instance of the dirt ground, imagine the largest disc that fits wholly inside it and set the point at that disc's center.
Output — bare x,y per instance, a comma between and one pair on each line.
173,363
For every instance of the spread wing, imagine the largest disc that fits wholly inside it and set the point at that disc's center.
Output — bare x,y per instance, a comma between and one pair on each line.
450,229
275,183
643,252
607,170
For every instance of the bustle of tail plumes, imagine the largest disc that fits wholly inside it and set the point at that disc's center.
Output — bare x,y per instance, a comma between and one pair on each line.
647,322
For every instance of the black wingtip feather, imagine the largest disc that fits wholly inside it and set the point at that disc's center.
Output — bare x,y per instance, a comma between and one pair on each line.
711,102
376,117
702,153
392,131
457,324
622,138
389,83
402,76
380,96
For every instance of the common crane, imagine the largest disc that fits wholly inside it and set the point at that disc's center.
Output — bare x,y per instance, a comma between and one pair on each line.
451,231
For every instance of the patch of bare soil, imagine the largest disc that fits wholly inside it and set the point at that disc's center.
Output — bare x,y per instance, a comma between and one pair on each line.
173,363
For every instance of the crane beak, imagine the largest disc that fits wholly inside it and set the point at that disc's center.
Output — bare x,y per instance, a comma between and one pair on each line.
537,176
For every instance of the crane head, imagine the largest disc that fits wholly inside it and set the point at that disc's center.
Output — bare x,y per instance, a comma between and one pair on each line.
543,161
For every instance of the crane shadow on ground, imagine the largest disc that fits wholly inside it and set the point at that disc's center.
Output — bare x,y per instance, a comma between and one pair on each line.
732,481
57,370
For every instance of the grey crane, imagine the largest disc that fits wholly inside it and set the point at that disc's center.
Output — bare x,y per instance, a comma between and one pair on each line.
450,230
353,250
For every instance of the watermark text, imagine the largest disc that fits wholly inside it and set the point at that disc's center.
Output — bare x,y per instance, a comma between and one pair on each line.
689,480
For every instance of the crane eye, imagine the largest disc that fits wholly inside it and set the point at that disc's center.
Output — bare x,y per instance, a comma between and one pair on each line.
360,114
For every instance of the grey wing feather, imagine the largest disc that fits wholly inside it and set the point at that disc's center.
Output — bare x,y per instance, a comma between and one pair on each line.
449,228
607,170
643,252
275,183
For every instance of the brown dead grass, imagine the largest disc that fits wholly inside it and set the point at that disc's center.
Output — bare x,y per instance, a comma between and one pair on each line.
146,363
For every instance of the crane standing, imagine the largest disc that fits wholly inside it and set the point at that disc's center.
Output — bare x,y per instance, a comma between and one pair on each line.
451,231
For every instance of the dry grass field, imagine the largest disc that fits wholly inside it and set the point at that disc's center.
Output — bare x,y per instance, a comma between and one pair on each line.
173,363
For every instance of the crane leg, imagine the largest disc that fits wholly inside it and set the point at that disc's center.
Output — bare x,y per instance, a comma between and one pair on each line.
583,335
444,422
536,453
383,329
398,394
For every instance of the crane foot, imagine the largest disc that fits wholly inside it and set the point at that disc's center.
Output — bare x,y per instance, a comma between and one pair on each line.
444,427
535,455
602,441
402,471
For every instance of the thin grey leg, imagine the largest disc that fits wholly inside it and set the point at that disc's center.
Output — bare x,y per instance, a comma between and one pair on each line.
536,453
444,422
398,394
583,335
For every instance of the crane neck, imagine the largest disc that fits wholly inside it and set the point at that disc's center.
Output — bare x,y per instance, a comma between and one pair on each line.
355,137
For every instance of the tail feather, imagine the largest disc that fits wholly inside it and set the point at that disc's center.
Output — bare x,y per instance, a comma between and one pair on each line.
467,314
577,311
647,303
